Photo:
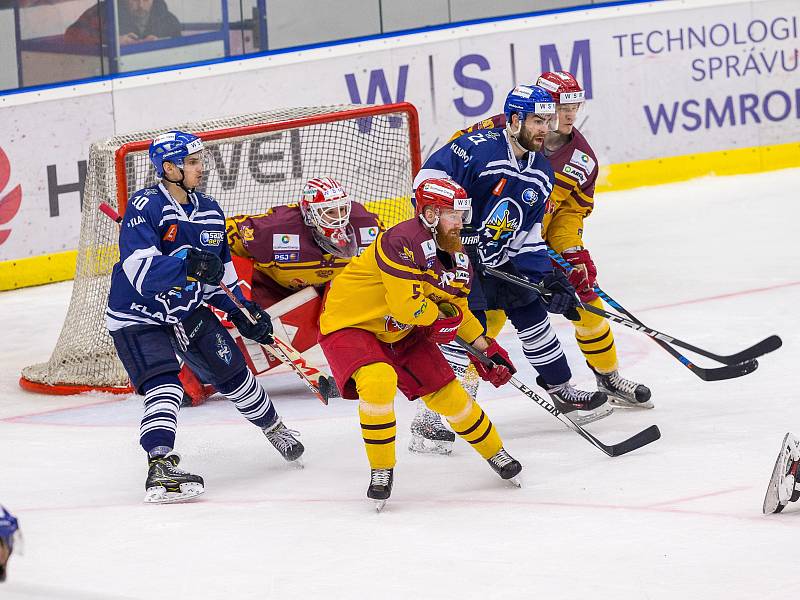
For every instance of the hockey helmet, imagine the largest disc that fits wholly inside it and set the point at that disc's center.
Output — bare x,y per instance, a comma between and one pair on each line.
442,193
173,147
563,87
325,207
525,99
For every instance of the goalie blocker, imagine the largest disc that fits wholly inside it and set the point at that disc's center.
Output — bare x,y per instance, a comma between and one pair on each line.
295,320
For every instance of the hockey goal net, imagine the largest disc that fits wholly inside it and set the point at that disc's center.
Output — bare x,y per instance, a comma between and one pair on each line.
259,161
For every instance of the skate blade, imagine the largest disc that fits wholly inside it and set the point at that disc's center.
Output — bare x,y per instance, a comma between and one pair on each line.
622,403
160,495
515,481
297,463
422,445
379,504
772,503
586,417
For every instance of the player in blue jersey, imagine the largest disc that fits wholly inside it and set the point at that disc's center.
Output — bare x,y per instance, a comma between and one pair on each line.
173,257
510,180
9,530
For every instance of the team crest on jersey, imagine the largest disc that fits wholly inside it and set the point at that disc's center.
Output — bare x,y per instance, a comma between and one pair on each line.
500,227
211,238
529,196
248,233
223,350
178,299
407,255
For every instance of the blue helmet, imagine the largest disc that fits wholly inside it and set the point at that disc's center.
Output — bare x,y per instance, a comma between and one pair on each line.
172,147
525,99
8,528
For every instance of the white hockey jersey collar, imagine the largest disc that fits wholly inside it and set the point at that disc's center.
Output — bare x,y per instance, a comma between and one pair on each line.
512,159
177,205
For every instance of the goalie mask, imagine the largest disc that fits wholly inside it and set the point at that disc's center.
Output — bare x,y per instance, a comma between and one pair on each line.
326,209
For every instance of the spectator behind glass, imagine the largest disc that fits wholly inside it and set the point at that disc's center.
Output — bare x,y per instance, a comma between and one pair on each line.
139,21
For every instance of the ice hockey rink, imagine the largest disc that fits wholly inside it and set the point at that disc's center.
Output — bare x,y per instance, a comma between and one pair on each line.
713,261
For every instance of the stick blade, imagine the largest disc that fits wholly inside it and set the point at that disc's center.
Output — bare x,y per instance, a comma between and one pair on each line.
644,437
727,372
765,346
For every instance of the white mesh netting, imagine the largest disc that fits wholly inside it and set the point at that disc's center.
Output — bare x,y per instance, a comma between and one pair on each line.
371,154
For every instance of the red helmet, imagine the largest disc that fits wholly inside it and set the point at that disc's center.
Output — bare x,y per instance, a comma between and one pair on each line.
563,87
442,193
326,208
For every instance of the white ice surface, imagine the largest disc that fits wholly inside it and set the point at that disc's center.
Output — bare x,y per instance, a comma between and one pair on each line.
713,261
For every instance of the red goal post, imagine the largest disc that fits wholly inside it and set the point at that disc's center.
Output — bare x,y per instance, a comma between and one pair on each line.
259,161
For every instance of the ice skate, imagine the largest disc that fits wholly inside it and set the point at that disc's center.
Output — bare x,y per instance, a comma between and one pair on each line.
167,483
582,407
380,487
429,434
783,485
623,392
285,442
506,466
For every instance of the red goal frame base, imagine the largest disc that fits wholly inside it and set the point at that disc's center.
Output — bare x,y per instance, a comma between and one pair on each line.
65,389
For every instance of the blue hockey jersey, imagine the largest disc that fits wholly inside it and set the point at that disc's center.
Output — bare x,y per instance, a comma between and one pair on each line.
508,198
148,284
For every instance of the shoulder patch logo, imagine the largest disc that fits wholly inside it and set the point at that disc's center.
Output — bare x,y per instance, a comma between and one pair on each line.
429,248
407,255
285,241
461,260
583,160
211,238
529,196
368,234
576,173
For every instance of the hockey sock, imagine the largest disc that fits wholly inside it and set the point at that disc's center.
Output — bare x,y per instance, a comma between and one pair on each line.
162,400
540,344
250,398
376,384
596,340
466,418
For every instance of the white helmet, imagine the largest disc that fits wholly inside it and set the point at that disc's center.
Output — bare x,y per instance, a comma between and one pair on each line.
326,209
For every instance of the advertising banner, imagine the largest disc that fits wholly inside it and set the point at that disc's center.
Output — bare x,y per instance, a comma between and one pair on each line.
661,80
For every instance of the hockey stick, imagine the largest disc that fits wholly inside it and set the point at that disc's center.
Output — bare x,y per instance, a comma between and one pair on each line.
644,437
280,349
706,374
766,345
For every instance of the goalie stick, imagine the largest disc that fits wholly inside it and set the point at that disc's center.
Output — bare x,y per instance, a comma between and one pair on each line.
323,387
706,374
765,346
644,437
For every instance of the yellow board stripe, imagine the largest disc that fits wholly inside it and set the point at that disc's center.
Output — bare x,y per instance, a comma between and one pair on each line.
36,270
49,268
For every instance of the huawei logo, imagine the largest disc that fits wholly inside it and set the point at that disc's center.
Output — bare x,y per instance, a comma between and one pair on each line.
9,203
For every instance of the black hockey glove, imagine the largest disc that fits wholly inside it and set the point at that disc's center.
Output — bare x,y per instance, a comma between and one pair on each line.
205,267
261,330
561,299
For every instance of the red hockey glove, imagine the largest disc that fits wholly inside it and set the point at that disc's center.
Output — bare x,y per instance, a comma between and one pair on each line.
503,368
583,275
444,329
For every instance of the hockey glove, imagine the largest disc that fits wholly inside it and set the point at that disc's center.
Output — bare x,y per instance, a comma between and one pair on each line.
444,329
503,368
560,297
205,267
261,330
583,275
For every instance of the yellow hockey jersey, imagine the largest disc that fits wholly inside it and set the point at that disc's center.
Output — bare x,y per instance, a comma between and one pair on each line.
397,283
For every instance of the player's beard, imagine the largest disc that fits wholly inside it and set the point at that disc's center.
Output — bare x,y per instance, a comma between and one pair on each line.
450,241
526,139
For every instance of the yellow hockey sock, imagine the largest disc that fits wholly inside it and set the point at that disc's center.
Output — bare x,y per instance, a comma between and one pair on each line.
596,340
466,418
376,384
